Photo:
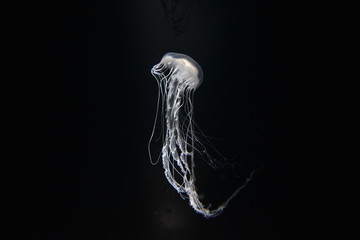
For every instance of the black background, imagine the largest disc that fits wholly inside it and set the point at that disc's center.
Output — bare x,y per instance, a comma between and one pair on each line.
89,175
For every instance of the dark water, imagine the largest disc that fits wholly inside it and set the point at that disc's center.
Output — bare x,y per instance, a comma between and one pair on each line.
92,178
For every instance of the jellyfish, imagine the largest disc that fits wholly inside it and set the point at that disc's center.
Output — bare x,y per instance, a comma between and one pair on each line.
177,14
178,76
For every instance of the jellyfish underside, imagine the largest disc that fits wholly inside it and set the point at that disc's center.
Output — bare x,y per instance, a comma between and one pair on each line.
178,76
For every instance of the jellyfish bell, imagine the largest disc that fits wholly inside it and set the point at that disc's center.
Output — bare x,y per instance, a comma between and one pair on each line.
185,69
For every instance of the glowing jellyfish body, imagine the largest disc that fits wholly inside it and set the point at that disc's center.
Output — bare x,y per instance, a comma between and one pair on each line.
178,76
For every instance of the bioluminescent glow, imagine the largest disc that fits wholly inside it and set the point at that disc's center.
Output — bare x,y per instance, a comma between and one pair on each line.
178,76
